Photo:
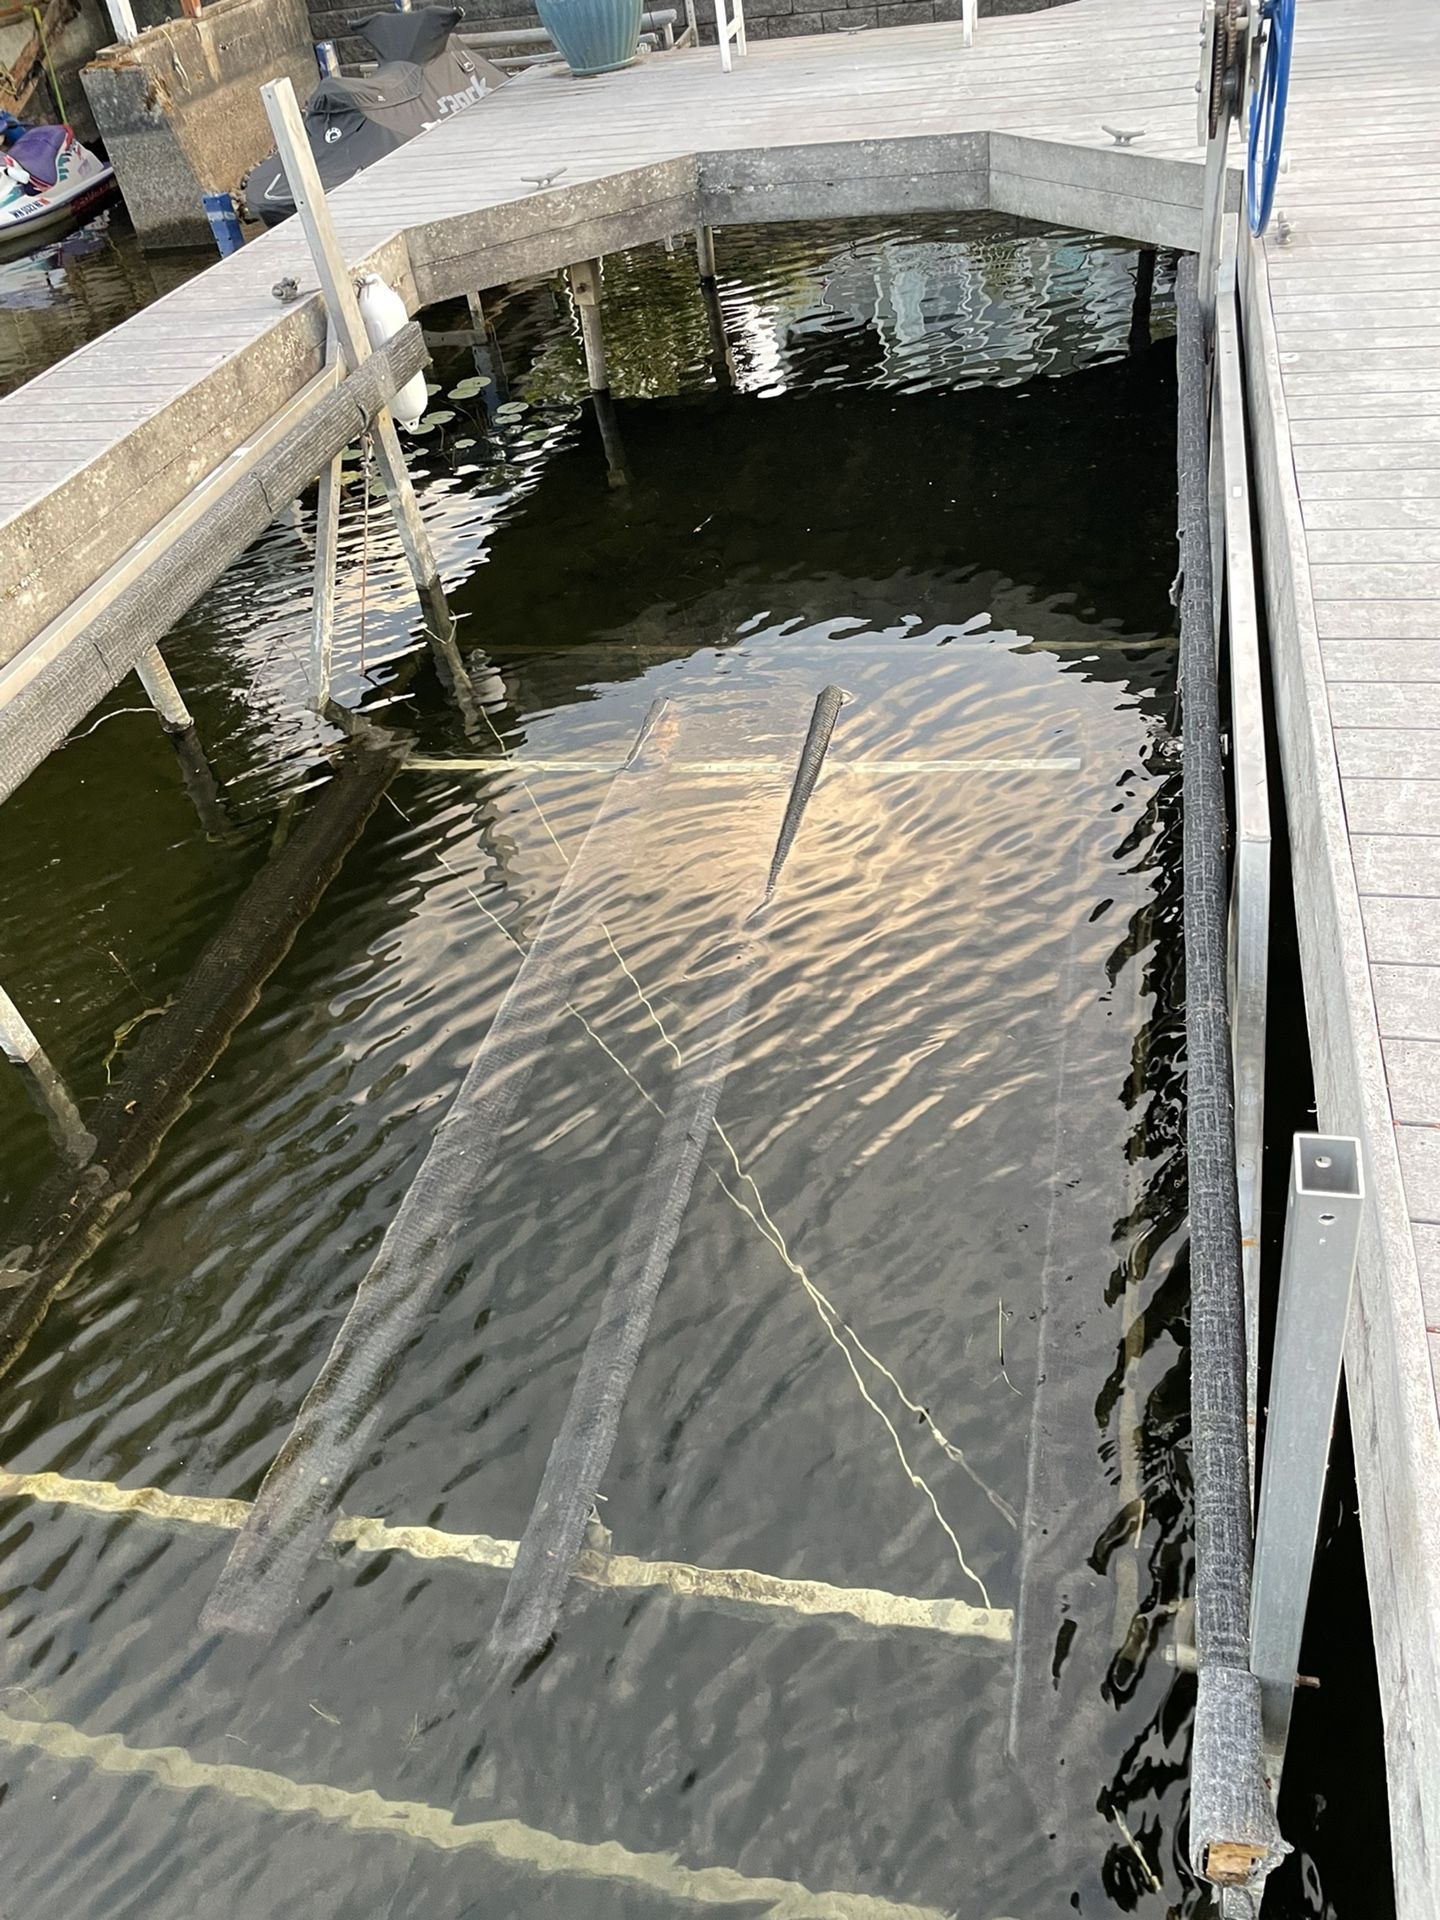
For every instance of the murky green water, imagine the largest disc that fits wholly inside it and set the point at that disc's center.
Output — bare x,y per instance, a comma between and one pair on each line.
77,288
942,477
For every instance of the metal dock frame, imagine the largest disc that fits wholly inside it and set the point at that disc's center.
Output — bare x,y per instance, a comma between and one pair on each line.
1326,1187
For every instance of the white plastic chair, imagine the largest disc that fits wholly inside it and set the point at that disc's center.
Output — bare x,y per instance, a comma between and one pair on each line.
730,26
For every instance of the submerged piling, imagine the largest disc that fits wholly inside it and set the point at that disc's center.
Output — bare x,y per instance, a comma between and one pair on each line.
68,1217
429,1235
555,1533
556,1529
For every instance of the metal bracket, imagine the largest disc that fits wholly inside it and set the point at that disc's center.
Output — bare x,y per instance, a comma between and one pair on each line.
1322,1232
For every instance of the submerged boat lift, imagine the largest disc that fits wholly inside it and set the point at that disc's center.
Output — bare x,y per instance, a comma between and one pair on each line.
1253,1572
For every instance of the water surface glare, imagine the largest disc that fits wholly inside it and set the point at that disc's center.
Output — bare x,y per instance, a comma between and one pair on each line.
929,1342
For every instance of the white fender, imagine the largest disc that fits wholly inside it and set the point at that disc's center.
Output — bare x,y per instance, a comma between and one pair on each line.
383,312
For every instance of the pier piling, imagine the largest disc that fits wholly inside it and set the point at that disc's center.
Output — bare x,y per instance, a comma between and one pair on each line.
432,1233
585,286
162,692
18,1043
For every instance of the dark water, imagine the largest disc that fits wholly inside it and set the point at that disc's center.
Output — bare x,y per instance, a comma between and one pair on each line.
944,480
77,288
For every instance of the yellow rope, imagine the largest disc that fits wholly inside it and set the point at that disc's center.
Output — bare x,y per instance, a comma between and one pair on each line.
661,1875
829,1317
613,1572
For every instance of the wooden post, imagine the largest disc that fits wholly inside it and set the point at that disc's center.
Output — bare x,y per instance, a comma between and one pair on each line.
18,1043
283,112
585,285
705,252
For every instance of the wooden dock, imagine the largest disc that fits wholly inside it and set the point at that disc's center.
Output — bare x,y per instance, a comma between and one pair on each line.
907,120
1342,346
1342,320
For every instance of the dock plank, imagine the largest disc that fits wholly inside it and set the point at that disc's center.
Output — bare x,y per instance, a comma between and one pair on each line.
1413,1067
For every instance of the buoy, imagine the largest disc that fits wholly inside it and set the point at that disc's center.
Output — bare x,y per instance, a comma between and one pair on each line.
383,312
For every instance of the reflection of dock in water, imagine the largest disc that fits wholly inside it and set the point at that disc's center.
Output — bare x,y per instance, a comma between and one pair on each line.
55,300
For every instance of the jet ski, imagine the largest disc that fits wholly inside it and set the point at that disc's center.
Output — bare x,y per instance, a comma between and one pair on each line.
49,183
424,75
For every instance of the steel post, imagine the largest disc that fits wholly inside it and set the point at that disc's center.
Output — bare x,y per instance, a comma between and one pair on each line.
1322,1230
585,286
1249,929
162,692
322,607
19,1044
283,112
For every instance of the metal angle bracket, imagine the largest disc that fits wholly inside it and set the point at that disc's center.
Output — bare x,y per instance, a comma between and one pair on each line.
1322,1232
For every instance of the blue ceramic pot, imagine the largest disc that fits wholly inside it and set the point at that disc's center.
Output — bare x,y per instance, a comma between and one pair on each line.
595,36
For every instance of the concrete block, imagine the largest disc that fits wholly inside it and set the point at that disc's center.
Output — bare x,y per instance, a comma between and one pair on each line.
494,245
910,13
796,23
849,18
1152,223
829,161
180,113
878,195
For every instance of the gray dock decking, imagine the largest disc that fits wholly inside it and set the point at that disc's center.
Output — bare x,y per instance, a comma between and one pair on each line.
1342,307
1342,321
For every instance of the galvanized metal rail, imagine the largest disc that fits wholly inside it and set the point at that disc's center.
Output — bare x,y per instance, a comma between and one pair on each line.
1325,1201
1233,565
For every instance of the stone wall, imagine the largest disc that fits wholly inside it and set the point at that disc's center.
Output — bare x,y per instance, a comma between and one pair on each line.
179,109
770,19
764,19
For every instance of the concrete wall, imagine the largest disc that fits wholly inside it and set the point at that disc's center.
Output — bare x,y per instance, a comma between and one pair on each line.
764,19
179,109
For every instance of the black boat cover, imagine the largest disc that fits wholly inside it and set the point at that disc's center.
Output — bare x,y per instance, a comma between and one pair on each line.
424,75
